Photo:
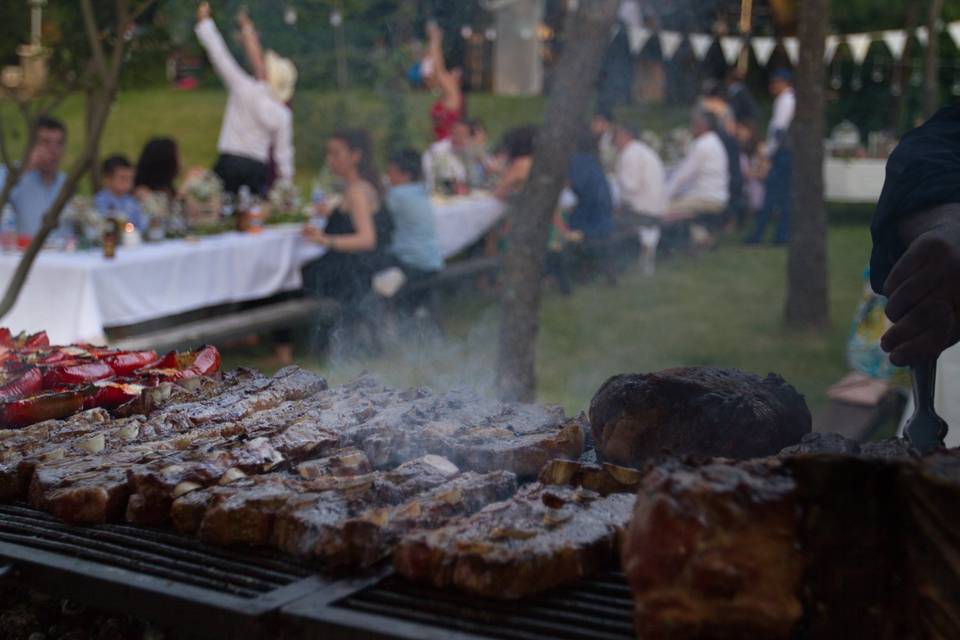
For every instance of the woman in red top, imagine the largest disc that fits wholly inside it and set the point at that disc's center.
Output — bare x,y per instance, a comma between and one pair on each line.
450,107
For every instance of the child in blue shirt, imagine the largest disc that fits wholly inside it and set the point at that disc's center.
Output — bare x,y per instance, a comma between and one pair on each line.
116,199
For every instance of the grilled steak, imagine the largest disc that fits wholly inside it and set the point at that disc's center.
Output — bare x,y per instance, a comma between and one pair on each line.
371,536
604,479
309,523
813,545
544,537
700,411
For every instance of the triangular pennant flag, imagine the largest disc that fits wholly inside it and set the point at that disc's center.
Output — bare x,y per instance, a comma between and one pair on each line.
732,46
763,48
954,29
670,41
700,43
792,47
896,41
830,48
923,36
638,38
859,46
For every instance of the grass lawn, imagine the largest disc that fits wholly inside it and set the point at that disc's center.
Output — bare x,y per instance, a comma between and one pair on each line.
722,309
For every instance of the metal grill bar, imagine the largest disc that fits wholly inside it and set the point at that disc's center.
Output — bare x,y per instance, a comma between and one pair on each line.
394,608
131,549
575,614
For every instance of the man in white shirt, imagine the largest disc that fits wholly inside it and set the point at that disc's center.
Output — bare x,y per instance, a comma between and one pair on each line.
777,198
701,184
640,176
446,160
642,183
256,116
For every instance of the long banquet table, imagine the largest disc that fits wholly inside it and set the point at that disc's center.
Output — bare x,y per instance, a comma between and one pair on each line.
76,296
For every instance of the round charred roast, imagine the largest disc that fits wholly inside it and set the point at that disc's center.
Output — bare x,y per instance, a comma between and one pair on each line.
700,411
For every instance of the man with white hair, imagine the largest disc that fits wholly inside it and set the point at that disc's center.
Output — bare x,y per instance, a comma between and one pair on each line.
701,184
256,117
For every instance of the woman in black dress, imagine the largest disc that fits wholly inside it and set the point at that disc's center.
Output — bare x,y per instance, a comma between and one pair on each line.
357,231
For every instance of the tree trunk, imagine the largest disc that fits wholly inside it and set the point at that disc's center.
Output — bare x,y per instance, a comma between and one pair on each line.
807,301
931,65
588,35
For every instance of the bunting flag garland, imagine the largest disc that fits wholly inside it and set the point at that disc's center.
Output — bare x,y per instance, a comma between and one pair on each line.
700,43
859,44
732,46
792,47
830,48
639,37
763,48
670,41
896,41
954,30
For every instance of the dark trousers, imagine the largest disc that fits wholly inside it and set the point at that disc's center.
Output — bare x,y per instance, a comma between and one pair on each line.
778,198
237,171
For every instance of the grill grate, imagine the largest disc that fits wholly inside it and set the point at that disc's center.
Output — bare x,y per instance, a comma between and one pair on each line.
596,609
149,552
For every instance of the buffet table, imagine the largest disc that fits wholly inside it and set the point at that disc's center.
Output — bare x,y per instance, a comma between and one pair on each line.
75,296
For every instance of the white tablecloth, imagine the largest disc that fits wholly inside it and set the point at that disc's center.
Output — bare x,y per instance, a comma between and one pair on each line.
462,220
854,180
75,296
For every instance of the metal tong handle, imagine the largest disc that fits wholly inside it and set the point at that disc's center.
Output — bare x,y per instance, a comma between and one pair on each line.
925,430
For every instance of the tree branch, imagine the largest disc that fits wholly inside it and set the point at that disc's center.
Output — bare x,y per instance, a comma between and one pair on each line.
96,43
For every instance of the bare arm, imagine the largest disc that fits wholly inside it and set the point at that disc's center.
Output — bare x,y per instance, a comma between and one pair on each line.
364,236
516,174
233,76
449,84
252,48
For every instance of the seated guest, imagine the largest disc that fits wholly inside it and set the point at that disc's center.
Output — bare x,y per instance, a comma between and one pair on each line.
116,197
593,213
480,165
640,177
701,184
643,190
518,149
357,231
447,160
157,169
42,180
602,128
415,247
592,216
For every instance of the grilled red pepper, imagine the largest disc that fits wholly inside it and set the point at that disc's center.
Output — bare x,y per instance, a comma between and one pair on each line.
23,385
34,341
110,395
124,363
6,337
47,406
76,372
205,361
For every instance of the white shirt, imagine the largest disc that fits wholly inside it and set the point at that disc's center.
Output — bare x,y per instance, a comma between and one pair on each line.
441,162
253,119
705,173
784,106
641,179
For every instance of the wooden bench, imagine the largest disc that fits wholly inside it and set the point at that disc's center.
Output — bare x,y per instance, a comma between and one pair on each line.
232,325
